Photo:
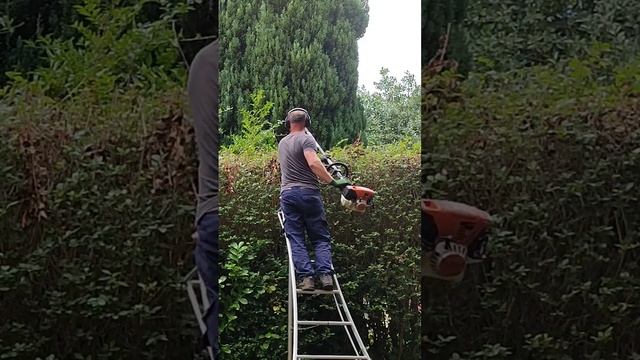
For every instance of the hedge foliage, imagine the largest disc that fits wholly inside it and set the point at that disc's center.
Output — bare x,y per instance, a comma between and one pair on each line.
375,255
95,228
508,34
554,156
96,223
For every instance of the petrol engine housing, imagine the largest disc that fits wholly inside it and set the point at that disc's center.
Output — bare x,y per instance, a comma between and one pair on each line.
453,235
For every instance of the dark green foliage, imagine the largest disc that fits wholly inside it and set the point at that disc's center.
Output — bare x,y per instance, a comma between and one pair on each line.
554,156
97,205
303,54
514,33
96,209
437,17
24,21
96,237
375,254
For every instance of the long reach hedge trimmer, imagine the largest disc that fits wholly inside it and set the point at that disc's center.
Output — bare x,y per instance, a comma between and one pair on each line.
353,197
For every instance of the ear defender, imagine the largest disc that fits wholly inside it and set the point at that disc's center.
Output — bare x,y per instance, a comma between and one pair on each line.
307,118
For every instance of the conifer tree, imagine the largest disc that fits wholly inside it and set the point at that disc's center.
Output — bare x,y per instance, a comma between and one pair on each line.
301,53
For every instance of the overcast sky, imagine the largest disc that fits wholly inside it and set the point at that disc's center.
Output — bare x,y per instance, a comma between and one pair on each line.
392,40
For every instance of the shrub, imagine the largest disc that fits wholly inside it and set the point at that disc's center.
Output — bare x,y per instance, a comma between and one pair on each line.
554,157
96,238
375,255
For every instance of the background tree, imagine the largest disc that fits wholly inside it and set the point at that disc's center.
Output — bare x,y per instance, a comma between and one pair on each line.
302,54
393,110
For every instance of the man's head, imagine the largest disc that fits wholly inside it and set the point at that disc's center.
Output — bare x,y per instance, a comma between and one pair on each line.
297,119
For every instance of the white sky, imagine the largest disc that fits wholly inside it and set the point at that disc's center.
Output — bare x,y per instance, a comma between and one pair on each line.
392,40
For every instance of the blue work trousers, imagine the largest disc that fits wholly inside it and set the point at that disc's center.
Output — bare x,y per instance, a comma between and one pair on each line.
304,213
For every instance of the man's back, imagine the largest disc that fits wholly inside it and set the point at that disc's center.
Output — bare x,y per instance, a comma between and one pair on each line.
294,169
203,99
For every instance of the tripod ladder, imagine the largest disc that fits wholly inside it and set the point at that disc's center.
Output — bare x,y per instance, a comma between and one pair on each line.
296,325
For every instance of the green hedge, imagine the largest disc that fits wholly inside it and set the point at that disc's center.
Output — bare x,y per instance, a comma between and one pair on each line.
375,255
96,213
554,156
95,226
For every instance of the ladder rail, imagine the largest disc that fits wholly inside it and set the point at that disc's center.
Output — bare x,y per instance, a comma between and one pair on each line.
193,299
293,298
353,324
290,324
193,281
340,309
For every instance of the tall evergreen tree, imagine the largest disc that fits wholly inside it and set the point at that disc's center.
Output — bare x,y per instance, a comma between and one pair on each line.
438,16
301,53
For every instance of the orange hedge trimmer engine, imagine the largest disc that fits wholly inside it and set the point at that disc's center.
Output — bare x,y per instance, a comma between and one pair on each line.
357,198
453,235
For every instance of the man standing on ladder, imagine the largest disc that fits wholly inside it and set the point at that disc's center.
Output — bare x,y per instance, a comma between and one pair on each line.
203,92
301,202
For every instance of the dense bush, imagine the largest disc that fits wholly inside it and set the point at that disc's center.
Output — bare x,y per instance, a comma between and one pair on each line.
97,173
507,34
375,255
23,22
554,156
96,237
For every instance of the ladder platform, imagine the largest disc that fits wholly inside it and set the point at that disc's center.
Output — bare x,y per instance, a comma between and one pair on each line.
316,292
341,357
324,323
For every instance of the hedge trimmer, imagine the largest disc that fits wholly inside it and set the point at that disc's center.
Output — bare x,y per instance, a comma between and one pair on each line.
453,235
353,197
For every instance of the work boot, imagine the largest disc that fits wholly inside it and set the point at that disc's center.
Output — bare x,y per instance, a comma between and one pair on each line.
306,284
326,281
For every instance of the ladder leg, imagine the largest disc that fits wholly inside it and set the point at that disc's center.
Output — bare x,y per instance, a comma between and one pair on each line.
293,298
193,299
340,307
294,302
194,281
203,293
350,319
290,325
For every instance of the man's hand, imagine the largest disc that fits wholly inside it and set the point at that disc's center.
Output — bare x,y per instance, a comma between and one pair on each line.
340,183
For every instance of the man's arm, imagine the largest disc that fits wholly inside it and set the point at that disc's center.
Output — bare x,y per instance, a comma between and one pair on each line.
316,166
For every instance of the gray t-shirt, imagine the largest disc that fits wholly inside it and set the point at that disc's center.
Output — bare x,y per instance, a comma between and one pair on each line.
294,169
203,93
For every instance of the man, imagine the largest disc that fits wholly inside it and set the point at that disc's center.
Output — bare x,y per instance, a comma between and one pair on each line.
301,203
203,91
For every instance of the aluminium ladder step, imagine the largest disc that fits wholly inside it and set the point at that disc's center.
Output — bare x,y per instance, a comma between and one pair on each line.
316,292
324,322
